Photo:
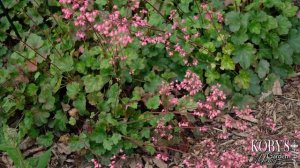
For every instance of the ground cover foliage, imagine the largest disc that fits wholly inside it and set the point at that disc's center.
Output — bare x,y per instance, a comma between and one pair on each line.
119,76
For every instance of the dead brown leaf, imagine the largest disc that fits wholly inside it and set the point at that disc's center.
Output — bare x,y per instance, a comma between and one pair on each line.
277,88
65,107
160,163
73,112
63,149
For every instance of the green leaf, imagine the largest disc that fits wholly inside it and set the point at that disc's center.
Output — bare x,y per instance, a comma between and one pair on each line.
272,3
262,68
137,93
4,74
80,104
242,101
35,16
150,148
101,2
284,53
227,63
7,103
15,154
99,133
255,27
239,38
153,102
272,39
113,95
243,79
34,41
210,46
45,140
153,81
155,19
294,40
244,55
145,133
72,121
107,144
95,98
259,16
254,88
46,97
44,159
269,82
116,138
62,63
284,25
288,9
40,117
271,23
211,76
93,83
228,49
4,24
60,120
73,89
78,143
233,19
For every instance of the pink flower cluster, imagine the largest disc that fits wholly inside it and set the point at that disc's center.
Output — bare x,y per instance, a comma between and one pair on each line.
162,156
270,123
209,13
162,131
232,123
190,83
232,159
96,163
213,105
114,29
73,7
297,134
242,113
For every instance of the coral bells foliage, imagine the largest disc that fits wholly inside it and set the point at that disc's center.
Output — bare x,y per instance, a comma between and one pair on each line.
118,31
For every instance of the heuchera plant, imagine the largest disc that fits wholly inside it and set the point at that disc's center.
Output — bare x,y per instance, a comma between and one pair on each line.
114,76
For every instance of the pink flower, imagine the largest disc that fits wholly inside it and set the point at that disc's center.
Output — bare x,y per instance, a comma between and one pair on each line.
80,35
67,13
223,136
191,83
209,15
183,124
172,14
96,163
297,134
204,6
123,157
232,159
162,156
173,101
270,123
203,129
228,122
220,17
